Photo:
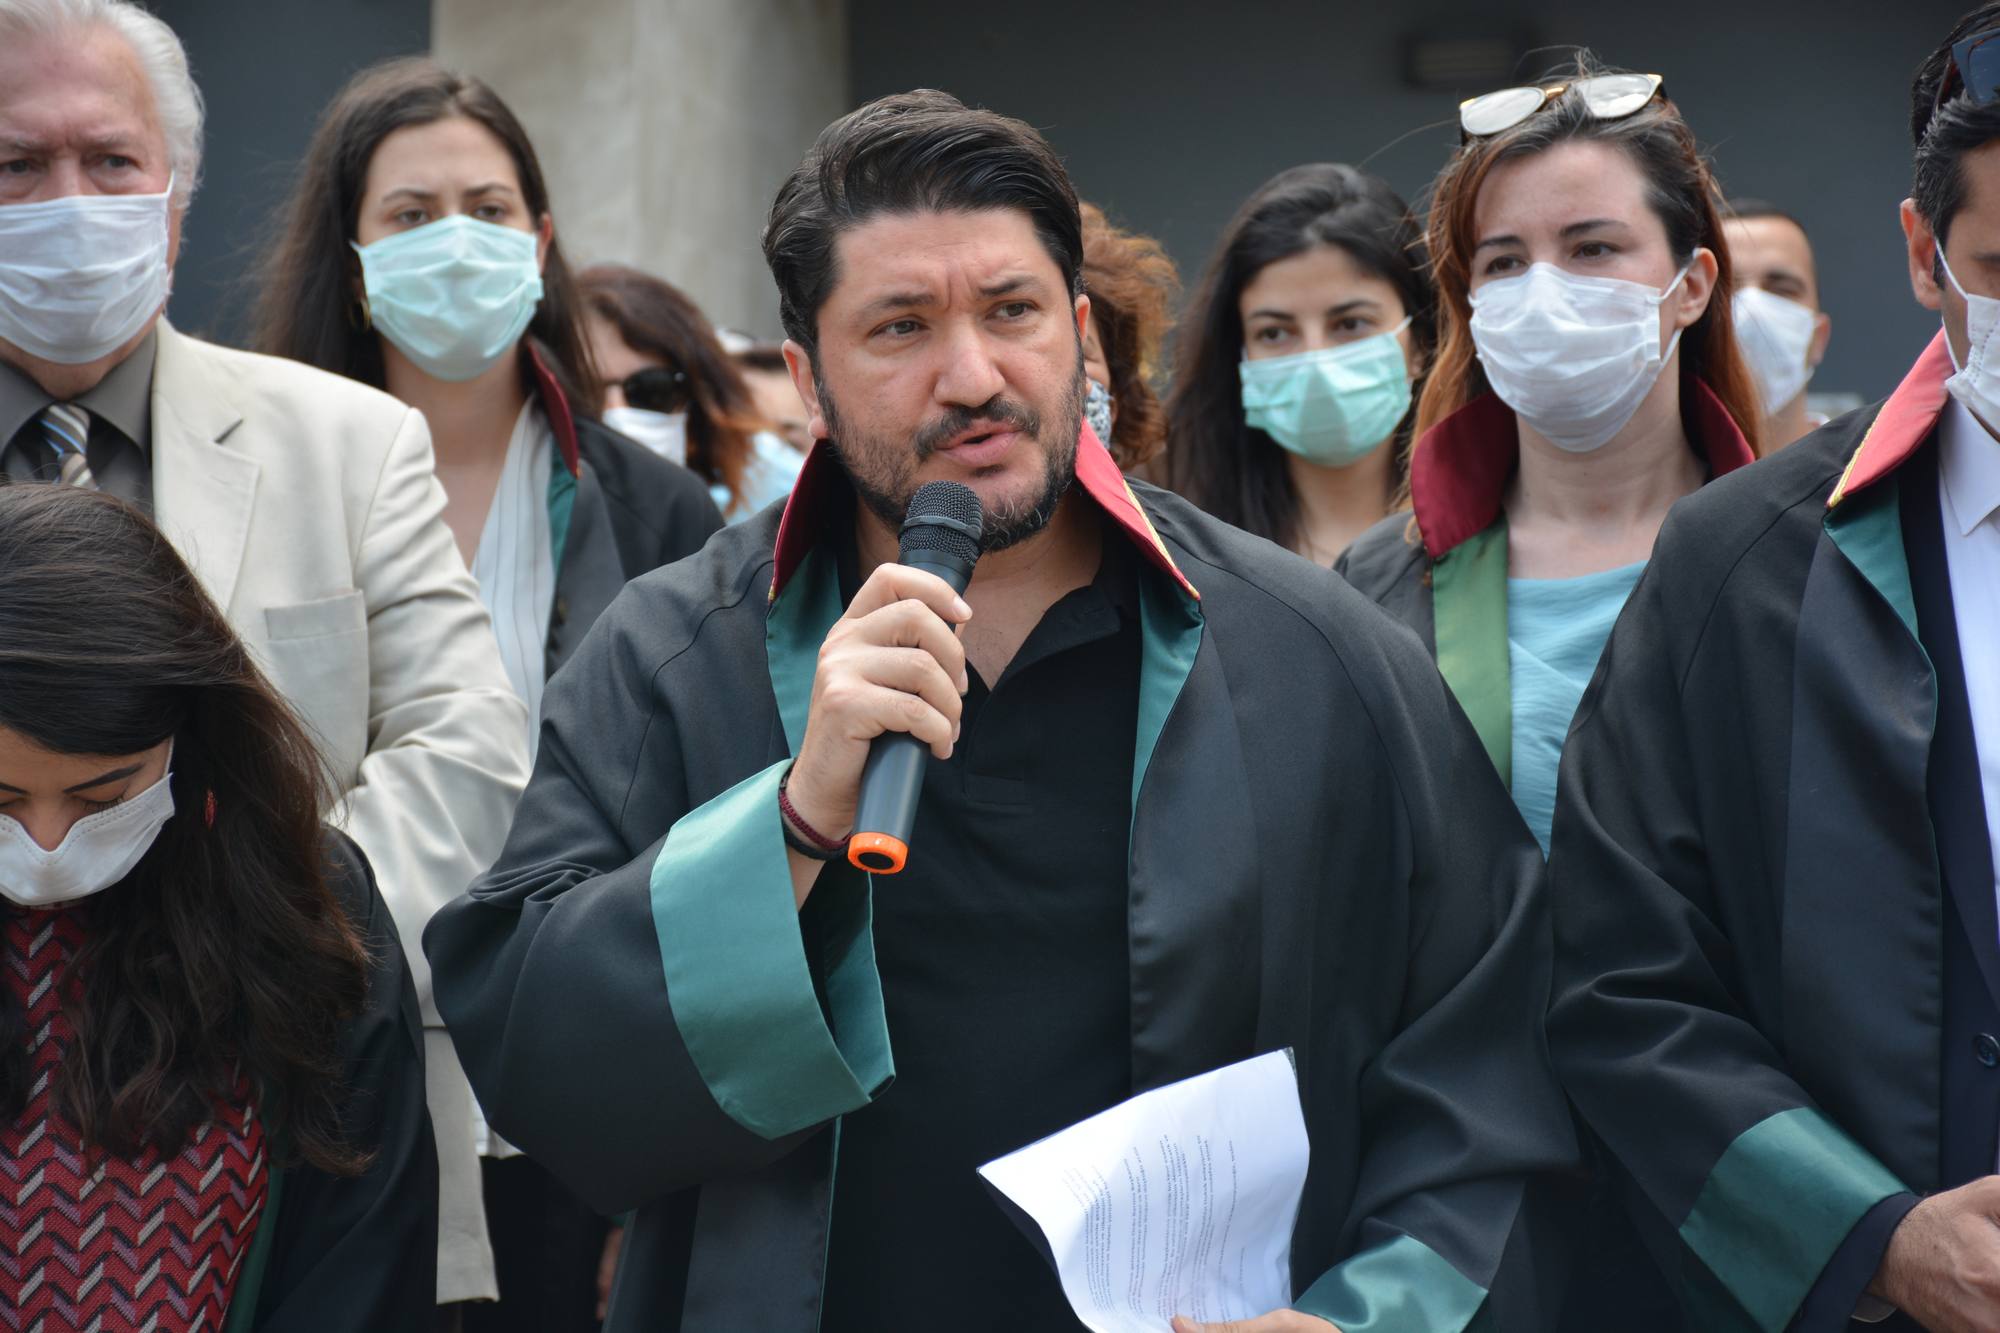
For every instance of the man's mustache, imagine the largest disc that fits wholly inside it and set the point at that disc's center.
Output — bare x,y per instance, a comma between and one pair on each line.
997,411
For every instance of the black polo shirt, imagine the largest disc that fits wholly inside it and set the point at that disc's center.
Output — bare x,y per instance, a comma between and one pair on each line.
1005,976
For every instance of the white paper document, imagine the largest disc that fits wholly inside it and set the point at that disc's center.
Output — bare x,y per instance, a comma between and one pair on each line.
1179,1201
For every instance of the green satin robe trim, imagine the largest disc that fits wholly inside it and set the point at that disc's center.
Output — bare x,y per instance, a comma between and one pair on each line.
1469,611
1403,1286
562,504
1779,1202
1869,532
1170,628
733,947
242,1317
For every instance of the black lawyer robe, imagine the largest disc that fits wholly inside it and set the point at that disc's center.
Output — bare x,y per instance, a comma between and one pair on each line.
1318,858
1754,924
334,1254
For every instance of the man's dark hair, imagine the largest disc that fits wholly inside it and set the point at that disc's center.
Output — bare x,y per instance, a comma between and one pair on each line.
1743,210
915,151
1945,135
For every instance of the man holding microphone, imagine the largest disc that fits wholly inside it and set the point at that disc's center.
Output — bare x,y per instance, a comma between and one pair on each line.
1186,800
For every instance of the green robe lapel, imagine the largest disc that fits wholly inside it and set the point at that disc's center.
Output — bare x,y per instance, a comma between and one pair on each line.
1189,933
1863,685
1469,608
1862,697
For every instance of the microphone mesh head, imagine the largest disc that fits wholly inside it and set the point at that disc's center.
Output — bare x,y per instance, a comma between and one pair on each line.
943,516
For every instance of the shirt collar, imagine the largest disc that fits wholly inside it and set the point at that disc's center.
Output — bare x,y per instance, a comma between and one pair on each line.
821,482
123,398
1905,421
1968,467
1460,467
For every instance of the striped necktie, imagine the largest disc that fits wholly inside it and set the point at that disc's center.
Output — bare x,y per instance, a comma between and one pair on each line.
66,427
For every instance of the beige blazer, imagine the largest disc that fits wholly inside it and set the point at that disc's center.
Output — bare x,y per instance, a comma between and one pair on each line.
308,506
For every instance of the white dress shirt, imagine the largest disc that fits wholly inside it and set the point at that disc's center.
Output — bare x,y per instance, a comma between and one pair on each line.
1969,486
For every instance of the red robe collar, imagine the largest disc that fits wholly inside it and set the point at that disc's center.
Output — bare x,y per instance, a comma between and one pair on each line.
1905,421
1459,468
1097,477
555,406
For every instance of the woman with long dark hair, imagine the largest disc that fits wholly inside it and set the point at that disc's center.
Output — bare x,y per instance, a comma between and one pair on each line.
1299,359
417,254
669,385
211,1079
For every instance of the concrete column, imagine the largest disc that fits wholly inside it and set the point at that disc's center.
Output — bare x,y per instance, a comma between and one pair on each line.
664,126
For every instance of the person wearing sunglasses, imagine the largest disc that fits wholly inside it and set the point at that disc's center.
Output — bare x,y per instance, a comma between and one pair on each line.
1586,379
1778,966
417,254
1779,323
670,385
1300,359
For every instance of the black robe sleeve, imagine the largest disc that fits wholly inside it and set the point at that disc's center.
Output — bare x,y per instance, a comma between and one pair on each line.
355,1253
629,988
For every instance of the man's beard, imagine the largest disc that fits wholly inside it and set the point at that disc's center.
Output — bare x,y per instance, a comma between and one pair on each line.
883,471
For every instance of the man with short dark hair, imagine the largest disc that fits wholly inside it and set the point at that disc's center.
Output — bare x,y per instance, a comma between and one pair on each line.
1161,830
1778,965
1779,323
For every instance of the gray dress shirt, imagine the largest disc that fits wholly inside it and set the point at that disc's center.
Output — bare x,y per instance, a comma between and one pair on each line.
121,427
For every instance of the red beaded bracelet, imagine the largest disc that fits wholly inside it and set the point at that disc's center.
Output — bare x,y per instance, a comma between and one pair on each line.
810,841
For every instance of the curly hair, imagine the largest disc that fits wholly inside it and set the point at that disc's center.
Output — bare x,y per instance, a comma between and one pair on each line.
225,952
1131,283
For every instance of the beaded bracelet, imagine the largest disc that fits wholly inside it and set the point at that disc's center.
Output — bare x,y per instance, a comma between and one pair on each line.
800,836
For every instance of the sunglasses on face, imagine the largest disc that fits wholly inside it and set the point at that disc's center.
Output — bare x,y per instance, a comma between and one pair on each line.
657,389
1974,70
1605,96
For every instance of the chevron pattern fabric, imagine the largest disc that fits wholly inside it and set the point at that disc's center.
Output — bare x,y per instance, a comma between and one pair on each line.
107,1245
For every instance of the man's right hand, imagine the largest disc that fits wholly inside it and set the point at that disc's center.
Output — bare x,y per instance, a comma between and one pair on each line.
1942,1267
892,663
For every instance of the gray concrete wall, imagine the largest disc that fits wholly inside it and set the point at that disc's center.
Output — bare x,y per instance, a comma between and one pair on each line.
1170,114
267,69
664,126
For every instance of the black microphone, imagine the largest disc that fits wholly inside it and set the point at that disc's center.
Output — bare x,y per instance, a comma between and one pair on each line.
940,534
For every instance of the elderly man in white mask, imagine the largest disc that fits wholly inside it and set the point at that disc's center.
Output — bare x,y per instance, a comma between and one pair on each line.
305,503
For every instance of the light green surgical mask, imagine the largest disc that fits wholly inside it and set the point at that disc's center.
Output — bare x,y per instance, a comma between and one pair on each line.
452,295
1332,406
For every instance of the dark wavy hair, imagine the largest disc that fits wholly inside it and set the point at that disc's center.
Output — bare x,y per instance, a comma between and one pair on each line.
657,319
1131,282
224,953
920,150
306,298
1680,189
1214,458
1945,134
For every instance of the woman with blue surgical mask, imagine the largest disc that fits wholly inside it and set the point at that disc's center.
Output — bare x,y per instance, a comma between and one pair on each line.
418,254
1588,376
1299,361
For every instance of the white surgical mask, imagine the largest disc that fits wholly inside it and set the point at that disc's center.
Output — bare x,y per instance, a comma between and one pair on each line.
1573,356
98,851
665,433
1974,385
1775,336
81,276
453,295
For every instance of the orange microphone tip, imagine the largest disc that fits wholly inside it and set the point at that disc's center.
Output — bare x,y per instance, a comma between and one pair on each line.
877,853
